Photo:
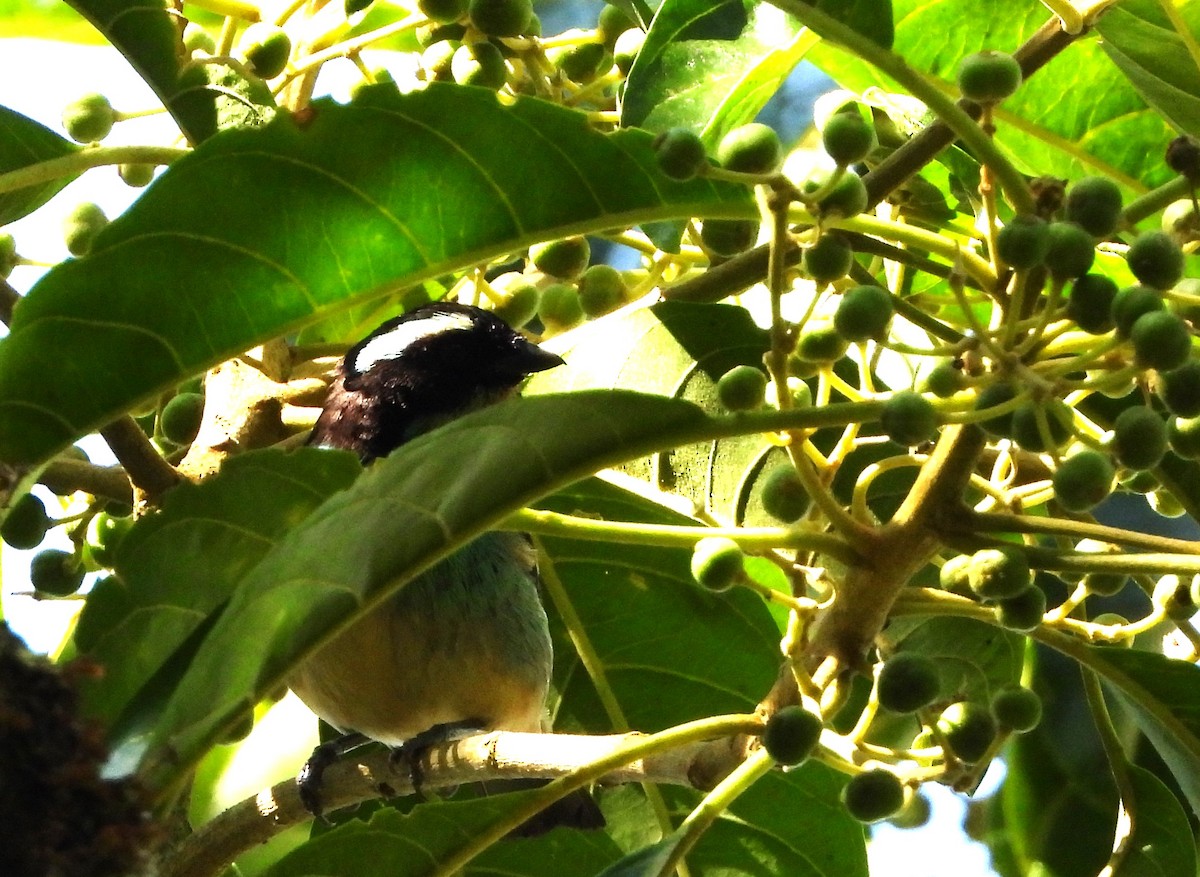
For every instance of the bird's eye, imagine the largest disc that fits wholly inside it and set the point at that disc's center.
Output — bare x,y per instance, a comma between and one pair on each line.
391,343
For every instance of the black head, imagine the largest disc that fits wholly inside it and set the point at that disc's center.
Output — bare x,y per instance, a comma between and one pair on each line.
419,370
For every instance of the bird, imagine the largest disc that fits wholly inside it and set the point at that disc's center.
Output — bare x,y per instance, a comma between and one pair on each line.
465,646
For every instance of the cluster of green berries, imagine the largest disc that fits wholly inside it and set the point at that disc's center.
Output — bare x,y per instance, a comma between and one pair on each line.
1001,577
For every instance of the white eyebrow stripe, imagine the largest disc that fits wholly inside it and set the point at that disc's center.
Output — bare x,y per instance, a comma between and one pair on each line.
393,343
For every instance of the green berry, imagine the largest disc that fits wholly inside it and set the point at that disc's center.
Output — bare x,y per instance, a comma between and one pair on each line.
1105,584
750,149
1026,426
1023,612
873,795
783,495
89,119
820,342
584,62
180,419
480,63
907,682
1094,203
443,11
908,418
1179,389
680,153
1183,435
717,563
434,33
1139,438
1174,594
517,299
791,734
105,533
828,259
54,572
1155,260
955,575
26,523
944,380
1180,220
1141,482
864,313
81,227
8,254
847,197
968,729
1071,252
1017,709
136,175
197,39
915,813
501,18
988,77
991,396
1131,303
601,289
742,388
611,23
728,237
1160,340
1083,481
1090,303
999,573
560,308
1023,243
626,49
266,47
848,138
1165,503
565,259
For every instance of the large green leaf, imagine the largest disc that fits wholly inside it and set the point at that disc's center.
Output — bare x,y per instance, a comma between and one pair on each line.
1161,844
1144,43
710,66
262,231
24,142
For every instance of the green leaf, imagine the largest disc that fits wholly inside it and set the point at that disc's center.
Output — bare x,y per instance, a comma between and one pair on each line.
178,567
262,231
871,18
24,142
1161,844
974,659
1144,44
405,513
710,66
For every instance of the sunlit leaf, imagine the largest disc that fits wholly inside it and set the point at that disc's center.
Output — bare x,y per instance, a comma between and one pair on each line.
24,142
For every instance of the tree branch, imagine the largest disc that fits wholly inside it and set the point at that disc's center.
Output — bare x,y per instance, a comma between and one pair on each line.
148,471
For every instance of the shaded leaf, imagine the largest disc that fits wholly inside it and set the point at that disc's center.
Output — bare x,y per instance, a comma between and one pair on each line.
24,142
1161,844
261,231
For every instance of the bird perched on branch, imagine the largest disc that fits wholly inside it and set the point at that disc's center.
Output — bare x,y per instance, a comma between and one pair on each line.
465,646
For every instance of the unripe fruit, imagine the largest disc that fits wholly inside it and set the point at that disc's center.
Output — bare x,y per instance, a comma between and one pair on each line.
1105,584
105,533
750,149
560,308
436,61
136,175
1027,432
55,572
81,227
1139,438
611,23
26,523
1090,303
820,342
717,563
863,313
915,813
968,729
873,795
907,682
908,418
988,77
8,254
1160,341
783,495
847,197
944,380
1071,251
518,299
1095,204
1083,481
848,138
266,48
601,289
955,575
728,237
1175,596
999,573
501,18
828,259
680,153
1183,435
742,388
89,119
1183,157
432,34
626,49
443,11
791,734
480,63
1165,503
180,418
582,63
1017,709
1179,389
1180,220
197,39
1024,242
565,259
1131,303
991,396
1140,482
1155,260
1023,612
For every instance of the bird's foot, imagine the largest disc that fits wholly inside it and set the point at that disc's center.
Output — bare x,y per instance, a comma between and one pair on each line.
308,781
412,751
